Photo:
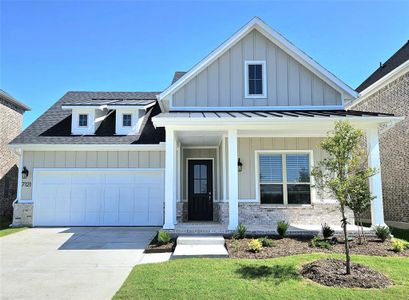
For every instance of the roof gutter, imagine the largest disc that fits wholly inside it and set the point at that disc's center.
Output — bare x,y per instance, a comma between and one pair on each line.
89,147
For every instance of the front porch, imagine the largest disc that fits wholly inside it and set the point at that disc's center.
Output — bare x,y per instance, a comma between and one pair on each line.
256,172
294,229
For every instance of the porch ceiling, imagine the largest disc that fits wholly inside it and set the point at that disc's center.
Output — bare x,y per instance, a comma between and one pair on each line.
200,138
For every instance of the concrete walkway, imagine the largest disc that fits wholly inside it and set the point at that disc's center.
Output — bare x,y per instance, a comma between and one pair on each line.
69,263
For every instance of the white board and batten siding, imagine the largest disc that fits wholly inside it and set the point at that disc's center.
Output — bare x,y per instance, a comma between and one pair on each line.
289,83
87,159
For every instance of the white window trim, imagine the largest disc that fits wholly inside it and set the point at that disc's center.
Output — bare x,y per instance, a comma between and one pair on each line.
123,115
284,165
79,120
246,78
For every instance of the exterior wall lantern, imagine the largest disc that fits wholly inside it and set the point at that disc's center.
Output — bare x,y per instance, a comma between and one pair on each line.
240,165
24,173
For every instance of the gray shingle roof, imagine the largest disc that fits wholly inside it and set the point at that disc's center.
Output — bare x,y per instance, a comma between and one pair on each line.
54,126
7,97
177,76
401,56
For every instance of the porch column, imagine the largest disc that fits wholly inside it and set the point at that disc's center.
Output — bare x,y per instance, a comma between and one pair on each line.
233,180
170,179
375,182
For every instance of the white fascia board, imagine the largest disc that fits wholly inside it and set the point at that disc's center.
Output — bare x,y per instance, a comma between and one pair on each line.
95,147
385,80
276,38
190,123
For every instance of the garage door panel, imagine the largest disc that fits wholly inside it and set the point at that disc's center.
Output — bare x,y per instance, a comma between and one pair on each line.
126,199
111,199
98,197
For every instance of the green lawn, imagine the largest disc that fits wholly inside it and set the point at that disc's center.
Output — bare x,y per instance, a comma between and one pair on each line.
7,231
5,228
255,279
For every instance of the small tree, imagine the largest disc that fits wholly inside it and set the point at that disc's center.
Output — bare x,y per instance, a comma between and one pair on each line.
341,173
360,197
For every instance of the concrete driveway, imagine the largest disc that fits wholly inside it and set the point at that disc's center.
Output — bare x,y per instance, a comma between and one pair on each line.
69,263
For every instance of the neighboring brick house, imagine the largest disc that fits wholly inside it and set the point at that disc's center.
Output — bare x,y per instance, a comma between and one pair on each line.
387,91
11,120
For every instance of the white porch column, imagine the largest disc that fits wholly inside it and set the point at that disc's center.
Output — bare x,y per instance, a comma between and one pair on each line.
170,179
233,180
375,182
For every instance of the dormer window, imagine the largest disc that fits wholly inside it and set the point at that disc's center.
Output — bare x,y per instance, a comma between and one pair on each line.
255,80
83,120
126,120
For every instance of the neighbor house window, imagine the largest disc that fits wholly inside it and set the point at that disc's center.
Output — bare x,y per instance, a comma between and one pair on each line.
255,79
284,178
126,120
83,120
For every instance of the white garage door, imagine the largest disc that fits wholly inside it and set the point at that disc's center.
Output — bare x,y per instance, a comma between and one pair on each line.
114,197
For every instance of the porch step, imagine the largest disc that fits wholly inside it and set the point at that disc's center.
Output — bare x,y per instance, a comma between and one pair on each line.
200,246
200,240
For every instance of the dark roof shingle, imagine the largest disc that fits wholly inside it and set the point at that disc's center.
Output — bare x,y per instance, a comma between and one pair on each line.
401,56
54,126
177,76
10,99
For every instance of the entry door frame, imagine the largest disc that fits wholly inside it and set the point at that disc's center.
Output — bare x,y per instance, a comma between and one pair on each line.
187,177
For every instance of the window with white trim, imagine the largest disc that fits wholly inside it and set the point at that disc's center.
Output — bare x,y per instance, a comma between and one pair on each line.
127,120
83,120
255,79
284,178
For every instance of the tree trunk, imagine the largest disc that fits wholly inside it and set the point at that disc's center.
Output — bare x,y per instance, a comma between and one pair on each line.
344,227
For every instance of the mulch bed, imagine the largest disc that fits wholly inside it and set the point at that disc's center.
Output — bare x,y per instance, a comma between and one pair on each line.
331,272
155,247
295,246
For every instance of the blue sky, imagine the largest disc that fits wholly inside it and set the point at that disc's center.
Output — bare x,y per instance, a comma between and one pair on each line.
51,47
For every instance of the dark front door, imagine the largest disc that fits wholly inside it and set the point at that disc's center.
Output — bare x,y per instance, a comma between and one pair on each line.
200,190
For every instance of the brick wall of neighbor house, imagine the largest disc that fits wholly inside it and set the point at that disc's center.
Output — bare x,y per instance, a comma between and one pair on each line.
10,127
394,147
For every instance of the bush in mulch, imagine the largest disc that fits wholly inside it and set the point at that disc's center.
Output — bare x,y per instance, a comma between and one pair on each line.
302,245
159,247
331,272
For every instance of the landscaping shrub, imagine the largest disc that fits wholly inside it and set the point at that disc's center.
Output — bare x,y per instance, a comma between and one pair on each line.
398,245
327,231
163,237
382,232
235,245
266,242
316,242
282,227
240,232
255,245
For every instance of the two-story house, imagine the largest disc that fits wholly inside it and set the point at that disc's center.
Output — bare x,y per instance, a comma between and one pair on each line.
231,141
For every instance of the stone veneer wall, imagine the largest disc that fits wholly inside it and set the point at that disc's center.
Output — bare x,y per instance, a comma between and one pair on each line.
256,214
394,147
23,214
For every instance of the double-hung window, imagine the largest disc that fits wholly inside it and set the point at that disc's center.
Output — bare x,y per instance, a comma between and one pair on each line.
284,178
255,79
82,120
126,120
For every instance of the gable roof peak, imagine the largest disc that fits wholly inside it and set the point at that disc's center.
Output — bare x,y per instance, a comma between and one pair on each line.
276,38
